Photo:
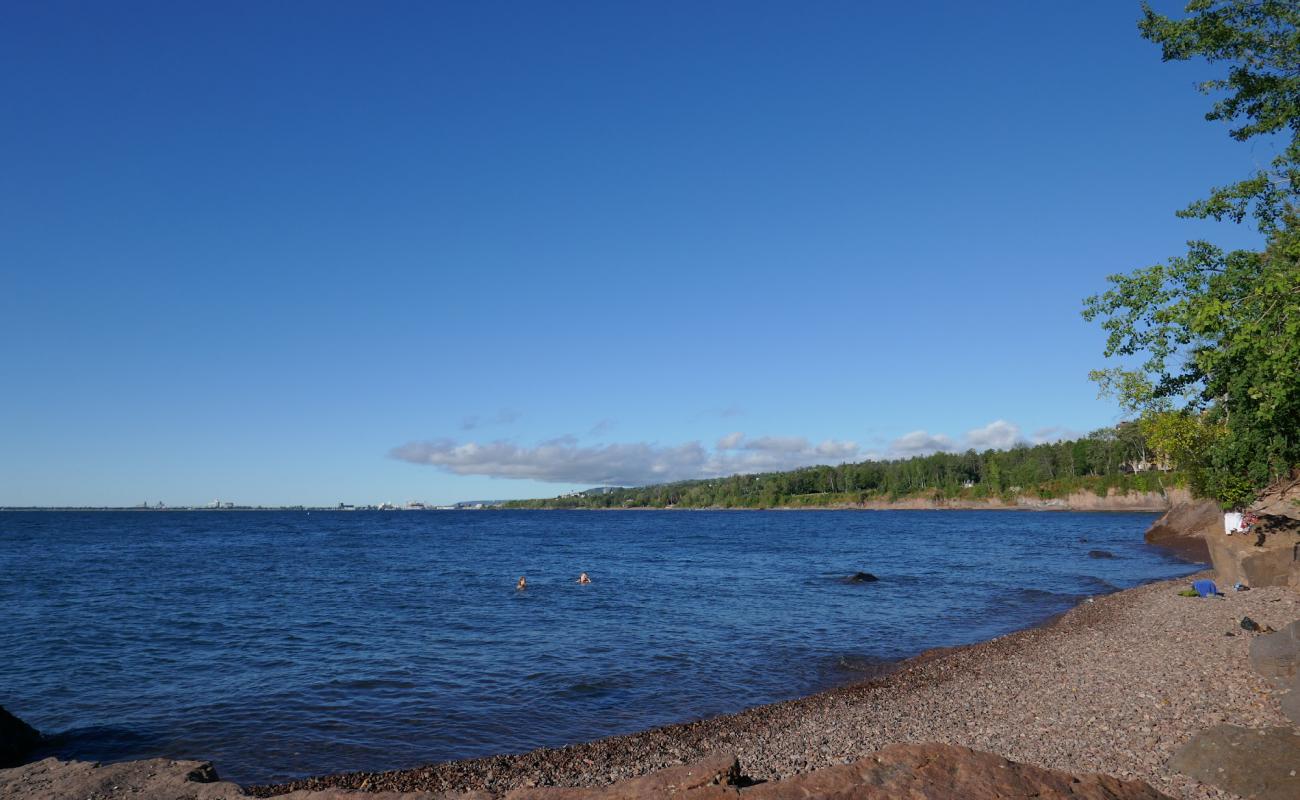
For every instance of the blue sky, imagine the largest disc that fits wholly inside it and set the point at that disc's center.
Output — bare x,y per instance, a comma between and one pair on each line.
338,252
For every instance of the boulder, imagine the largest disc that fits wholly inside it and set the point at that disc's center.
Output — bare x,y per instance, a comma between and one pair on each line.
946,772
1185,527
1238,559
1259,763
52,779
1291,703
17,739
930,771
1276,655
1100,554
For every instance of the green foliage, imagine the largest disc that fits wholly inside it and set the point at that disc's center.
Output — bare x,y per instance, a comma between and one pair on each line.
1260,93
1218,333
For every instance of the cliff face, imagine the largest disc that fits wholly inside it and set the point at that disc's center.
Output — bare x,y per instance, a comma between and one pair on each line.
1269,555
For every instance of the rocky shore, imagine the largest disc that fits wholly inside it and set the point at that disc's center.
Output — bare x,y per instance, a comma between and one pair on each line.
1116,686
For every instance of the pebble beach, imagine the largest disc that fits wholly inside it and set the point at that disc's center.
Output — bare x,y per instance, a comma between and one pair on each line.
1116,685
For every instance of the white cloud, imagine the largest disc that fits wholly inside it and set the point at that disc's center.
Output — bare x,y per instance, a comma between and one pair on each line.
731,441
920,443
997,435
563,460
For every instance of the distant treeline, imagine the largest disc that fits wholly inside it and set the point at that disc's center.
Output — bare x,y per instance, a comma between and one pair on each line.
1111,458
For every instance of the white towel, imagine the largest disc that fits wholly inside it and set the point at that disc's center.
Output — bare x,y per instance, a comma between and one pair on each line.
1231,522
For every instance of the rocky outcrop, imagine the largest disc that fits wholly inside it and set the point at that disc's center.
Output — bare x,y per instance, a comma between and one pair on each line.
1244,558
1187,526
936,771
52,779
911,771
1194,528
17,739
1259,763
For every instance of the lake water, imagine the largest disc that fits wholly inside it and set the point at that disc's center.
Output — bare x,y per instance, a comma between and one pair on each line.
286,644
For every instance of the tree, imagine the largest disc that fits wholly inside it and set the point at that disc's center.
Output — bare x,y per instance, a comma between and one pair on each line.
1219,332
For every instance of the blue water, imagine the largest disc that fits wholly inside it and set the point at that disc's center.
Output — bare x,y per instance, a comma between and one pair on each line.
286,644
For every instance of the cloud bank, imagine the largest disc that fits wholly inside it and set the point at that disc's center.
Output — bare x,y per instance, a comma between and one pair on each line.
566,460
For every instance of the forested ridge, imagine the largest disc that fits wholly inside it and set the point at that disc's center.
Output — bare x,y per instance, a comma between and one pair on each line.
1111,458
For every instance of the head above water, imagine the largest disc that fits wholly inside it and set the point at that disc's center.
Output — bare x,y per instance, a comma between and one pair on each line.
583,578
523,583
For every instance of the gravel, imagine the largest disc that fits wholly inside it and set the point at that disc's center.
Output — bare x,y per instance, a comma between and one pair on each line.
1115,685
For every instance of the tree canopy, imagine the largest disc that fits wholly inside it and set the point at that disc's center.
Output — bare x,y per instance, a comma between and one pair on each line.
1210,340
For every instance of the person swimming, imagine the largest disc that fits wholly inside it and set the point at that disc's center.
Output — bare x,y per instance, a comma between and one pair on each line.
523,584
583,578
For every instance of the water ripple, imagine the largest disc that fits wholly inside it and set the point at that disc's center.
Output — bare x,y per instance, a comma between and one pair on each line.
284,644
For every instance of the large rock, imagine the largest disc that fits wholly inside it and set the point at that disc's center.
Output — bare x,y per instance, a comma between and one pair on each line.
151,779
1239,559
17,739
946,772
1291,703
1276,656
1258,763
905,771
1185,527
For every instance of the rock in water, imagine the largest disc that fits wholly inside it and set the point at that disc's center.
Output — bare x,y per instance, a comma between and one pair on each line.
1259,763
17,739
862,577
1100,554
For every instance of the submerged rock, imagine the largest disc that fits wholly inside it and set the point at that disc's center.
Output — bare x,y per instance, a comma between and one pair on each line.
861,577
17,739
1259,763
1101,554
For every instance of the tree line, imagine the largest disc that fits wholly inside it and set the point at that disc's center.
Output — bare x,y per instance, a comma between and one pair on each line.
1110,458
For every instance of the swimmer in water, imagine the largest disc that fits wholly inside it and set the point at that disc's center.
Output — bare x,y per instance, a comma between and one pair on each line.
523,584
583,578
